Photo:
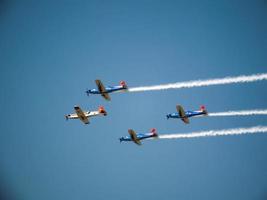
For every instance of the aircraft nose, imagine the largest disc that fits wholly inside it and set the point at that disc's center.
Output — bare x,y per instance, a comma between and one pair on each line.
87,92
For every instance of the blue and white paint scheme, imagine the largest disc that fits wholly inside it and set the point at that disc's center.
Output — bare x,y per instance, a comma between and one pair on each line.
105,90
139,136
184,115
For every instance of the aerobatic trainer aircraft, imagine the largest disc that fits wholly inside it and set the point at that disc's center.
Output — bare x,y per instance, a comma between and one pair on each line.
85,115
139,136
181,114
105,90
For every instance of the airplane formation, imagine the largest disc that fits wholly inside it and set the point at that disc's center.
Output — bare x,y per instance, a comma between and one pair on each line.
133,136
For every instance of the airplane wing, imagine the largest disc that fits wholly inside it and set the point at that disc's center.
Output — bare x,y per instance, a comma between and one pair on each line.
102,89
85,120
134,137
106,96
100,86
185,120
181,112
81,115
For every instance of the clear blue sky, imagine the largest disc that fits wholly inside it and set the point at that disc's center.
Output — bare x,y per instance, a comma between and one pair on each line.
51,51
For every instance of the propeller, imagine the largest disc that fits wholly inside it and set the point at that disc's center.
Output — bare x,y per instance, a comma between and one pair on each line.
87,92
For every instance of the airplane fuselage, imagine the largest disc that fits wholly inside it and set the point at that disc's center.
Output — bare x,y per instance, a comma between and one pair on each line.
84,115
187,114
108,89
140,136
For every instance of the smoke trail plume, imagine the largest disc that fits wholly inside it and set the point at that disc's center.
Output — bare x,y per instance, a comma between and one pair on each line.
201,83
234,131
239,113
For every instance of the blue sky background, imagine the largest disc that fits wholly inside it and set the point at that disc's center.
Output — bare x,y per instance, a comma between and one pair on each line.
51,51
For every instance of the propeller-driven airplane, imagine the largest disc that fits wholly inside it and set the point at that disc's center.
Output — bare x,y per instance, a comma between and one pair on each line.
85,115
181,114
101,89
139,136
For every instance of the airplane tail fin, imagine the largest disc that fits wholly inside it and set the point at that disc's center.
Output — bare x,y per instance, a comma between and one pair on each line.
123,84
67,117
121,139
102,110
203,109
168,116
154,131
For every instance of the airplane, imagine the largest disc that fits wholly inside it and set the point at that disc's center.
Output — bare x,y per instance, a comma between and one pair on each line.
139,136
105,90
85,115
181,114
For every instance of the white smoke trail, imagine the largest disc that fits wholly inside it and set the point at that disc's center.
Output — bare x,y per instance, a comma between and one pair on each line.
200,83
239,113
234,131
